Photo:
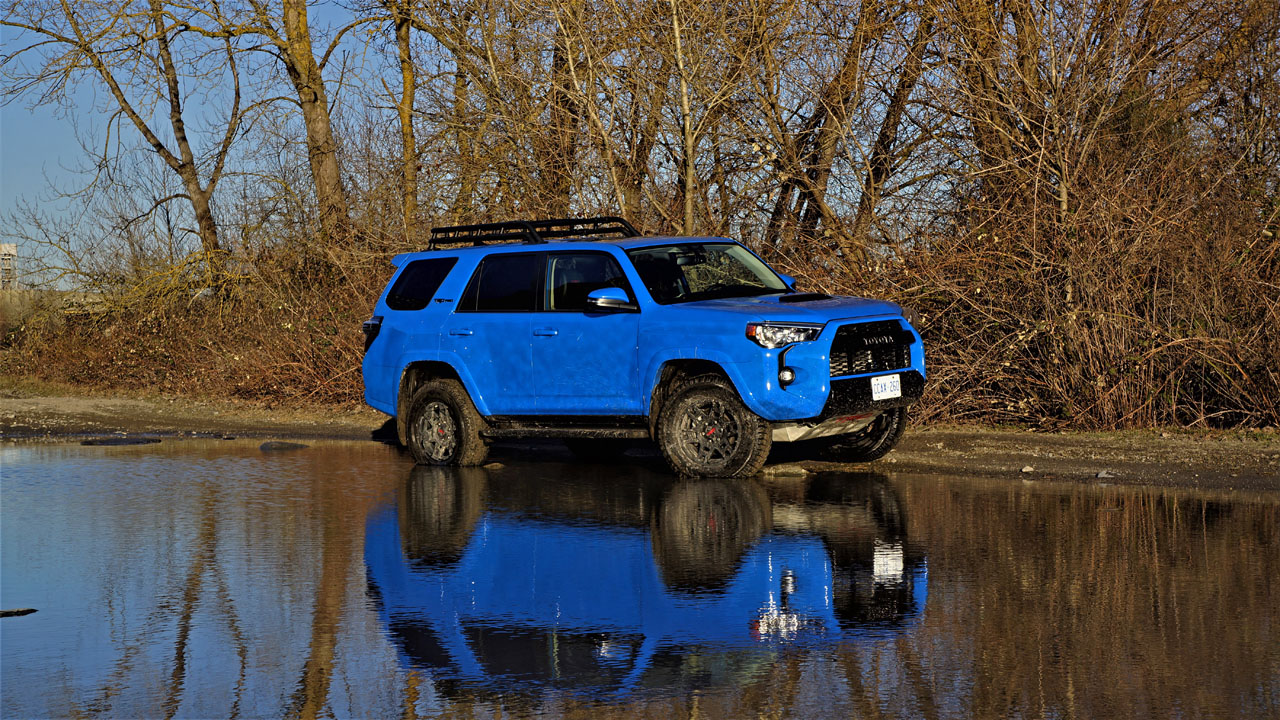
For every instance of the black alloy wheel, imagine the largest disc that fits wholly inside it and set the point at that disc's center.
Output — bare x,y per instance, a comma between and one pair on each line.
444,427
705,430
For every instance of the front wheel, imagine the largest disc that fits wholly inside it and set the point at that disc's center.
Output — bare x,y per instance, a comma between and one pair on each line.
706,431
870,443
444,427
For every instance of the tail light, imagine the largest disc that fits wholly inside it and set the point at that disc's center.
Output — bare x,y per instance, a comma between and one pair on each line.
371,328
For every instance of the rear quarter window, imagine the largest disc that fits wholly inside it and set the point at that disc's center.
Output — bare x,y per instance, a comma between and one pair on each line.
418,283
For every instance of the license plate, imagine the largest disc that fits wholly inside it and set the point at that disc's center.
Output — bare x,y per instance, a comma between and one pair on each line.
884,387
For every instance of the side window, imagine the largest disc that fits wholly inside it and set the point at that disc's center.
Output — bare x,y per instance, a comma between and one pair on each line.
418,283
571,276
504,283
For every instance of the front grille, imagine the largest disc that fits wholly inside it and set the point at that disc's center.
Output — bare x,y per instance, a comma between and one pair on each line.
870,347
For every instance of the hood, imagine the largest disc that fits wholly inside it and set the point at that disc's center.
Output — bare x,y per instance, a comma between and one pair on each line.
799,307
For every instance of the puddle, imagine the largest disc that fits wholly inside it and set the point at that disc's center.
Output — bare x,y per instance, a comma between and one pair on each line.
211,578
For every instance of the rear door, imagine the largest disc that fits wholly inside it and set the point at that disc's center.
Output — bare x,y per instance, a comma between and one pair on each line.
584,363
490,331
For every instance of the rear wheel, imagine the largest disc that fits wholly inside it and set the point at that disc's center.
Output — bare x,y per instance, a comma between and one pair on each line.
706,431
444,427
870,443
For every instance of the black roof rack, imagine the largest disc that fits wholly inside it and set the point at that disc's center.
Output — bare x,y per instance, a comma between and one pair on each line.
532,231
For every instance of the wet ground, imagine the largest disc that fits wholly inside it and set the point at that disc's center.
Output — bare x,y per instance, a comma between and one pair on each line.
1226,460
211,578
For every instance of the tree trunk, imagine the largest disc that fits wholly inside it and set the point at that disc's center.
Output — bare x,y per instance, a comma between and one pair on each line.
880,165
468,140
646,115
687,140
408,141
205,225
558,164
322,150
185,166
802,197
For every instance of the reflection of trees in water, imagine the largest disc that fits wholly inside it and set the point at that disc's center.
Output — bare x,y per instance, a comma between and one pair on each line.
438,510
340,506
1100,602
204,563
703,527
201,571
200,568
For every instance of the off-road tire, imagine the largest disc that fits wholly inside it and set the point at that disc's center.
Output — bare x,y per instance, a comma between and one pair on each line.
443,426
871,443
695,412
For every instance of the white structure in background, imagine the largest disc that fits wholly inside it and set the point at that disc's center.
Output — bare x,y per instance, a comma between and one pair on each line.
8,266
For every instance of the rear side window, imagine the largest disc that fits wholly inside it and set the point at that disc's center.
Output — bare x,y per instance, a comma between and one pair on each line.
418,283
504,283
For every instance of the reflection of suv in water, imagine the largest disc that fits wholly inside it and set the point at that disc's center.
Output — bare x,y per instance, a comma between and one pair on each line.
582,330
535,579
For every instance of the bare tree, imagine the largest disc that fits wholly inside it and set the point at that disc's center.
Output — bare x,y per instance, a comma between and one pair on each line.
884,151
143,55
807,153
287,36
401,17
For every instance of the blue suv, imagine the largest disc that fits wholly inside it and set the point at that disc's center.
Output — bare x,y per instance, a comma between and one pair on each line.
584,330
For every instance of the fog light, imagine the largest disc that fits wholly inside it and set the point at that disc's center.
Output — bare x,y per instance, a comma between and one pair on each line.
786,376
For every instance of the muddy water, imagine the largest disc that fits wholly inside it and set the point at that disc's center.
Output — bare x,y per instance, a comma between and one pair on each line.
210,579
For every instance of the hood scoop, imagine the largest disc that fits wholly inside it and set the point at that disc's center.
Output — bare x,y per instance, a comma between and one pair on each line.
803,297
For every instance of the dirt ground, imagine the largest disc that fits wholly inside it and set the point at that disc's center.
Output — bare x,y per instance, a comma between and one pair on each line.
1245,460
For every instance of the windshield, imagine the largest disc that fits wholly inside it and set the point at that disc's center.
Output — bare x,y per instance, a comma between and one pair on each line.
703,271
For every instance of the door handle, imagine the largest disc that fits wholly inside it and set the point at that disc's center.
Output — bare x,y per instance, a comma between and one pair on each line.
545,332
460,331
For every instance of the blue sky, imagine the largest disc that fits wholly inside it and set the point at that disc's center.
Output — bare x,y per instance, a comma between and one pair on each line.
36,144
39,145
33,143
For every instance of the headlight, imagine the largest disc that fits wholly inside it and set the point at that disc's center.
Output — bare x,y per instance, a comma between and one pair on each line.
775,335
911,315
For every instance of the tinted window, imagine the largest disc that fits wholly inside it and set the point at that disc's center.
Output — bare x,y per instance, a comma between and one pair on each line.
418,283
504,283
573,275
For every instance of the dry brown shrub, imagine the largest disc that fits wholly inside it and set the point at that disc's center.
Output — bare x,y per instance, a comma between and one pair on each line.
1155,304
287,333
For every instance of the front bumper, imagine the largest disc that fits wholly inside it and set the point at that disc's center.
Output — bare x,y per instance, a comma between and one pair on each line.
852,396
815,395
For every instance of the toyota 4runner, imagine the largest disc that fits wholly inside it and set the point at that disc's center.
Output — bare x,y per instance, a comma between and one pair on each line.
583,330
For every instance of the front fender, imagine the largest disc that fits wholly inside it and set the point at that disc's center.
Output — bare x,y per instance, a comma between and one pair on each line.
732,368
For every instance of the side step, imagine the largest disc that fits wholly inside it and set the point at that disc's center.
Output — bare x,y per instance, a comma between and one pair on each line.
566,432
